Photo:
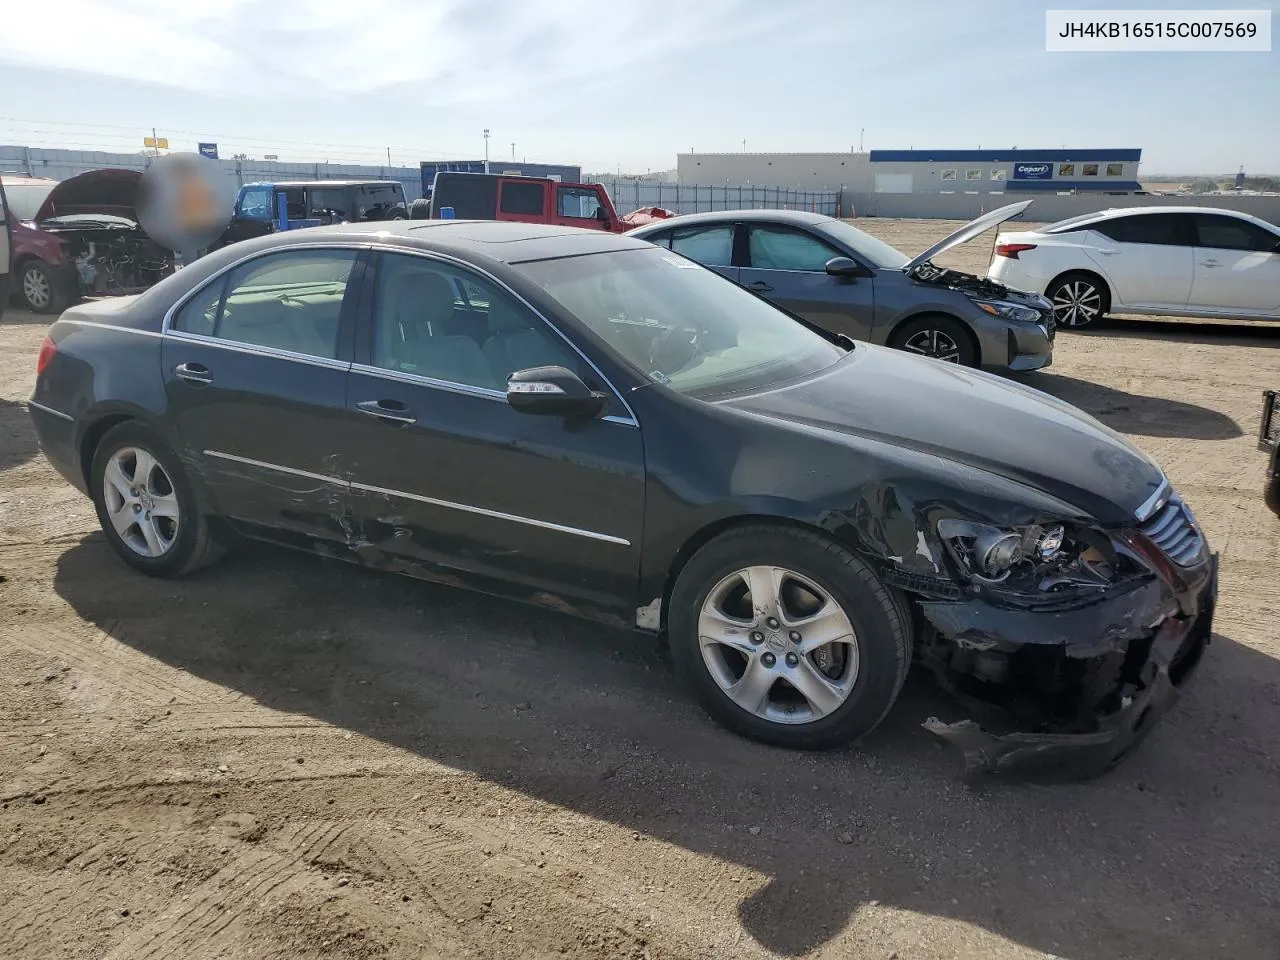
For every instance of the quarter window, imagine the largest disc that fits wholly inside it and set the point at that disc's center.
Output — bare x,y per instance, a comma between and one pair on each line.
1229,233
437,321
284,301
712,246
577,202
775,248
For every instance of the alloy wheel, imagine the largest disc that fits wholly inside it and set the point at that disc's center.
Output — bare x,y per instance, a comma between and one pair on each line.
141,502
934,343
36,289
778,645
1076,303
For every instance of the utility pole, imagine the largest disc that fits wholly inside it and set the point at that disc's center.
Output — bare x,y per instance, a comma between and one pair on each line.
486,149
861,131
513,151
156,140
744,144
388,156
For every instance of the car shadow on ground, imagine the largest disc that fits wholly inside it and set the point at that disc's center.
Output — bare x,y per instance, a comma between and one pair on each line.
1133,413
18,442
15,316
1172,855
1243,333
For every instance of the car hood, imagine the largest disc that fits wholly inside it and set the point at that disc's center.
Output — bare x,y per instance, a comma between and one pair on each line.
970,230
974,418
111,192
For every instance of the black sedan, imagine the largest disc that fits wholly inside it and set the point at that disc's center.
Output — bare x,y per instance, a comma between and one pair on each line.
594,424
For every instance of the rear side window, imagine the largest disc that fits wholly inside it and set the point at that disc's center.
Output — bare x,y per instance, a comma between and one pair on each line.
378,201
1228,233
522,199
776,248
712,246
1163,229
284,301
472,196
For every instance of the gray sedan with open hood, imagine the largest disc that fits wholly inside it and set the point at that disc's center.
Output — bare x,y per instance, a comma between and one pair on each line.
846,281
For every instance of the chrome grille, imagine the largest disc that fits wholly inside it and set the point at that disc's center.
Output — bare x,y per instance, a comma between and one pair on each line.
1174,530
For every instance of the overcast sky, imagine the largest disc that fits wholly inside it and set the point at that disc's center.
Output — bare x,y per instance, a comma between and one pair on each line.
609,84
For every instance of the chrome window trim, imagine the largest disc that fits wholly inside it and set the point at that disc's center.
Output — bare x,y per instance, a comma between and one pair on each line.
433,501
630,419
52,412
418,379
254,349
108,326
1153,502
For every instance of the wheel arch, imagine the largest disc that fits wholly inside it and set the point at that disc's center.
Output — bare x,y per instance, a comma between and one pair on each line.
107,419
925,314
709,531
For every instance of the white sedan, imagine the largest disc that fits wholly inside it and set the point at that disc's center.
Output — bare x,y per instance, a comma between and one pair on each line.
1184,261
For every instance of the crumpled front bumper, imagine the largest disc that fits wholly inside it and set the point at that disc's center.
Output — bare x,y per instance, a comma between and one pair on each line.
1133,668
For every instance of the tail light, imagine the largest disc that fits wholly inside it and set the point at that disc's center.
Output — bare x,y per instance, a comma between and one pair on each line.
47,349
1011,250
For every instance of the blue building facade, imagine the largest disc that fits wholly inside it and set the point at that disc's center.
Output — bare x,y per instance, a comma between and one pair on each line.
1107,170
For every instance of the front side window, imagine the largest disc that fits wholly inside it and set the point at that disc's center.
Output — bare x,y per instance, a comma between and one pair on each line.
777,248
255,203
522,199
679,324
577,202
434,320
284,301
710,245
1230,233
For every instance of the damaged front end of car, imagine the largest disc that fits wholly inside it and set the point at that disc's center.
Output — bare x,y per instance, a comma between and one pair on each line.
1064,640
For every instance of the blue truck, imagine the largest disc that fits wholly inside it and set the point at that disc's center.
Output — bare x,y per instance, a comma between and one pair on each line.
291,205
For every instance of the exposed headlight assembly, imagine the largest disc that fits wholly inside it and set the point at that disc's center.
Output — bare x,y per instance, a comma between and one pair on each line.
1008,311
1038,558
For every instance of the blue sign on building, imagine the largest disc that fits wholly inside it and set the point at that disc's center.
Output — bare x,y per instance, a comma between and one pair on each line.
209,150
1032,171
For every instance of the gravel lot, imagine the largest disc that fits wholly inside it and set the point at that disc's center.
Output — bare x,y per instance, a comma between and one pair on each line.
290,758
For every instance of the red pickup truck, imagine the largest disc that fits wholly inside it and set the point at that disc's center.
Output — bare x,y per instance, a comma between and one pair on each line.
491,196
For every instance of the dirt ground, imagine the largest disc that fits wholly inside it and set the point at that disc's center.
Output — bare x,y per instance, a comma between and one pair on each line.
284,757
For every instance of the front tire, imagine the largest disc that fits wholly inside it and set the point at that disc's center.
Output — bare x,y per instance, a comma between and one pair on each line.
40,289
1078,299
939,337
146,506
788,638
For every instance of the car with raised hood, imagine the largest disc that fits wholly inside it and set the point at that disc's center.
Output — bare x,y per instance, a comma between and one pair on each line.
591,423
846,281
1166,261
80,237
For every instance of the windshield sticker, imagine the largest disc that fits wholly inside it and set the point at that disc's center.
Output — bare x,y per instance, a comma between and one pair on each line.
682,264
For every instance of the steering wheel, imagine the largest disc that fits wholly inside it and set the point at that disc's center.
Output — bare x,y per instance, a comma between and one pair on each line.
674,350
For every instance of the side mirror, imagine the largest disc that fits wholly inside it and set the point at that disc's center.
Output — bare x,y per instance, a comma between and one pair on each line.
602,214
843,267
553,391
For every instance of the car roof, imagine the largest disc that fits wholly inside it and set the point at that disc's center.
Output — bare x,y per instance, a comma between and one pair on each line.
493,240
1084,219
795,217
324,183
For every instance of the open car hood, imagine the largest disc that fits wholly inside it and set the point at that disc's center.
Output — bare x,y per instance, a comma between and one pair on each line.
110,192
970,230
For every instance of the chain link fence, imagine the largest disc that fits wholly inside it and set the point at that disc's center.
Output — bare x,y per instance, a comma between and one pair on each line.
628,195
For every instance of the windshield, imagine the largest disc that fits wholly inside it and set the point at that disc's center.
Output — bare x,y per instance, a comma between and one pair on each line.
681,324
875,252
255,203
25,198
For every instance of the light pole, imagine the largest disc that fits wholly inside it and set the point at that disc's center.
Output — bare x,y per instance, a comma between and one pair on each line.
486,149
513,151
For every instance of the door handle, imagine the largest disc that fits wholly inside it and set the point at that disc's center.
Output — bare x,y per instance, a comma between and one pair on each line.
388,411
760,286
195,373
1107,251
1209,263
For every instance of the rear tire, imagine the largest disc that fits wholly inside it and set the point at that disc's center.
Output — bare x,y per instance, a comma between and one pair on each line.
146,506
805,690
1078,299
937,336
420,210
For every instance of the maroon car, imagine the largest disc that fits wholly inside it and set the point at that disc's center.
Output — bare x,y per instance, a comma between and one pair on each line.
79,237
